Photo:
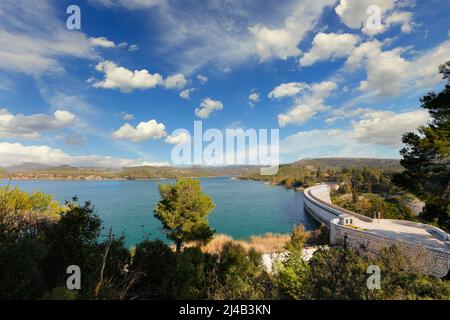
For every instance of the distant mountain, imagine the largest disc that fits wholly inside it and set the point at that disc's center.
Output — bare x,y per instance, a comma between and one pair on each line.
42,171
27,166
325,163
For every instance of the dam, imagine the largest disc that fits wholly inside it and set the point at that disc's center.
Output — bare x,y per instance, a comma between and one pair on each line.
427,246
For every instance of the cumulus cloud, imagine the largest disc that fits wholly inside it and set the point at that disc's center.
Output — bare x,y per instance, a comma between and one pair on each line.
329,46
375,133
308,101
142,132
177,81
179,138
354,14
207,107
186,94
125,80
16,153
389,73
329,143
283,42
254,97
29,127
288,90
387,128
102,42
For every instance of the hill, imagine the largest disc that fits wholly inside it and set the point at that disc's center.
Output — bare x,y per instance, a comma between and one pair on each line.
299,168
42,172
326,163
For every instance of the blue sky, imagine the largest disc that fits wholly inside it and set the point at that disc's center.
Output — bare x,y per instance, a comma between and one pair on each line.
112,93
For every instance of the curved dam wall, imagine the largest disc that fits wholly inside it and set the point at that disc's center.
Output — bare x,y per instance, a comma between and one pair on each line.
426,246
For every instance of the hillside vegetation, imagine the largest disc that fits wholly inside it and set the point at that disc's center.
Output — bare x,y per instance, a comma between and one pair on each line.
36,172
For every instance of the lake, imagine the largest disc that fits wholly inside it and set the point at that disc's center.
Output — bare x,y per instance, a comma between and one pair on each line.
243,208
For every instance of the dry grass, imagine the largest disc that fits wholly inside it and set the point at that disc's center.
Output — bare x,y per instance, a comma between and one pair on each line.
268,243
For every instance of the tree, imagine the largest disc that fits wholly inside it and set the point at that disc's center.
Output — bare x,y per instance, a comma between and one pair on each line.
426,157
23,214
336,274
183,209
292,272
240,275
153,265
74,241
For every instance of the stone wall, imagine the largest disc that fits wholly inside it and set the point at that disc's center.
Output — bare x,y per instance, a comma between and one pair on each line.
431,261
422,260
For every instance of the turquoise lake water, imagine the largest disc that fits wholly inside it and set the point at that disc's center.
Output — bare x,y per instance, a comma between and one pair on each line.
243,208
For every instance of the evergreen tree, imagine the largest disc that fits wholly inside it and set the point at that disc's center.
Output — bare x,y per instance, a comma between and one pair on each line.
183,209
426,157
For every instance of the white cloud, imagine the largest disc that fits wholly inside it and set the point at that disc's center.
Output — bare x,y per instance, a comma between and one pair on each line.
142,132
353,14
329,46
288,90
126,116
29,127
202,79
308,103
377,133
343,113
402,18
283,42
66,101
102,42
133,48
16,153
207,107
128,4
387,128
329,143
389,73
33,38
177,81
126,80
229,33
186,94
254,97
178,138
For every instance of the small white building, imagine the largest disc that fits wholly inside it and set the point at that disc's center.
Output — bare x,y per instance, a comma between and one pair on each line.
345,220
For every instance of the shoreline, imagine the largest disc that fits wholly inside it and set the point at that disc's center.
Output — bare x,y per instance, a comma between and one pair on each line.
106,179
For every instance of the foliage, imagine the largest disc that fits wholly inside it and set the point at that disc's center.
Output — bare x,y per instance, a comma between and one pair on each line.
183,210
390,207
426,157
22,213
292,271
336,274
238,275
33,266
73,241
